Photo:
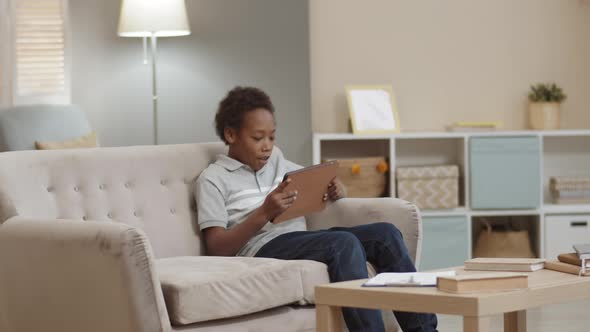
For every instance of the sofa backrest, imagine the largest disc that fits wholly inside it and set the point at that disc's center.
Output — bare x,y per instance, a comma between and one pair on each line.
149,187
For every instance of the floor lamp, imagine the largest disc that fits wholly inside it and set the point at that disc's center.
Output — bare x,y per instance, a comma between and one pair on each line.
153,19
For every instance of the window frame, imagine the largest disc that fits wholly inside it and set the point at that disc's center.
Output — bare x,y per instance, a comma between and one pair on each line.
5,54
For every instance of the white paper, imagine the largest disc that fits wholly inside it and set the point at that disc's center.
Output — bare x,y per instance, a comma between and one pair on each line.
407,279
372,110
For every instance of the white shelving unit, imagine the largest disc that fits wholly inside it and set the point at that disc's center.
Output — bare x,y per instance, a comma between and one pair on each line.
562,152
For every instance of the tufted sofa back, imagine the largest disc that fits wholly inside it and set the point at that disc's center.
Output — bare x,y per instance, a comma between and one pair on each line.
149,187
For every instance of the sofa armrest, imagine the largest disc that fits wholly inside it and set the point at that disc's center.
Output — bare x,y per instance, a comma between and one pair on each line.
71,276
349,212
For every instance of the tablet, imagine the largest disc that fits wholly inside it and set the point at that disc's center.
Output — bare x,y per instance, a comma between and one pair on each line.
311,184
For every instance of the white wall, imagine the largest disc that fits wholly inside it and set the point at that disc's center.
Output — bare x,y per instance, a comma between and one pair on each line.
451,60
263,43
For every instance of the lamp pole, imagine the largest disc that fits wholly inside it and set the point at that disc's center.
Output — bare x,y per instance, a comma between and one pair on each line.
154,18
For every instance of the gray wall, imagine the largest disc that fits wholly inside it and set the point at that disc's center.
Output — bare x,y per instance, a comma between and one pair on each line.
263,43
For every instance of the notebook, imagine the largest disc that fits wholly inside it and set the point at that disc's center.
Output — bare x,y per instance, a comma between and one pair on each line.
583,250
505,264
407,279
311,183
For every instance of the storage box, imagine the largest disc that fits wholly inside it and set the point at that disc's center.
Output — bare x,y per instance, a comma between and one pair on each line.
505,172
429,187
570,189
364,177
444,242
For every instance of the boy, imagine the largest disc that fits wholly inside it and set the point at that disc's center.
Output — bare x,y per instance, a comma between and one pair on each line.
239,193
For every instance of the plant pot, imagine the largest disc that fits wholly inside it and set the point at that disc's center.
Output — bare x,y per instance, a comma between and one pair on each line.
544,115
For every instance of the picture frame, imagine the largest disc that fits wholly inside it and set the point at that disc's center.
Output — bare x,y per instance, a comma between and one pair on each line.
372,109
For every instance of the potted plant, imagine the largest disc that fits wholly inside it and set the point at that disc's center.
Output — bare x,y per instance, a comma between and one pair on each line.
545,100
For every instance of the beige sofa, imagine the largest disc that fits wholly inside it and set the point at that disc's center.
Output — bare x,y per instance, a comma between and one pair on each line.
106,240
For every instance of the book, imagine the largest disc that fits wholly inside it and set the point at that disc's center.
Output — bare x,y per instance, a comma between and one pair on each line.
461,129
480,282
504,264
570,200
473,126
407,279
566,268
583,250
571,258
477,124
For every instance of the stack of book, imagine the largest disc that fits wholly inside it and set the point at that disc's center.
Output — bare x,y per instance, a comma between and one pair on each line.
574,263
474,126
507,275
570,189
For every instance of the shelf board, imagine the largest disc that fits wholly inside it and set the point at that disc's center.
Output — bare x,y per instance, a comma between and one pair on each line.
446,134
425,135
566,208
443,212
547,209
564,133
350,136
477,213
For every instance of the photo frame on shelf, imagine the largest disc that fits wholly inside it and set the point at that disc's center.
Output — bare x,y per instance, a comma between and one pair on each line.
372,109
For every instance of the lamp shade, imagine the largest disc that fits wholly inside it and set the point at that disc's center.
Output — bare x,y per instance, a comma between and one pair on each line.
162,18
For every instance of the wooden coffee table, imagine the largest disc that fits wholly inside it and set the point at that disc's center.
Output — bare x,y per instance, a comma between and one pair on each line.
545,287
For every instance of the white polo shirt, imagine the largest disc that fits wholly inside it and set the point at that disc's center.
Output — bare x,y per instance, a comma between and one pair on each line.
228,191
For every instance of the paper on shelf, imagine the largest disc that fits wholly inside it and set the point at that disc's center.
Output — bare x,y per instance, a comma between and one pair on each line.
407,279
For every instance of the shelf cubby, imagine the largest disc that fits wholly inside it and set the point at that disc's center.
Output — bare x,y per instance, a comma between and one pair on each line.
428,152
564,156
520,227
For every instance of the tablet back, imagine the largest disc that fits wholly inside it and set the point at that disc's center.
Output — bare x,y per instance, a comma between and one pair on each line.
311,184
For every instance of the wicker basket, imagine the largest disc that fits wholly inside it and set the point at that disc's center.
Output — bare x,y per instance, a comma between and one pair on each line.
363,177
429,187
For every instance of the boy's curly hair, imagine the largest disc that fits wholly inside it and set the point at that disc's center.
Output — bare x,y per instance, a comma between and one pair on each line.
238,102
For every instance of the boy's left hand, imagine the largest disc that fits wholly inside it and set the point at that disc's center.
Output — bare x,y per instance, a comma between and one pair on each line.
336,190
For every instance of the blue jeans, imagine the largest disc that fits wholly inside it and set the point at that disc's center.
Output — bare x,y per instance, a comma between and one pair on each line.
345,251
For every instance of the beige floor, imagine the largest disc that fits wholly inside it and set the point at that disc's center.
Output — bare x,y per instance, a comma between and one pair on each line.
567,317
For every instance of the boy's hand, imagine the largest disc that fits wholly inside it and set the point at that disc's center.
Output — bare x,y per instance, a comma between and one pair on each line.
336,190
278,201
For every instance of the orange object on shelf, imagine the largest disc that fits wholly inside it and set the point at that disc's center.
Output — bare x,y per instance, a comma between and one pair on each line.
382,167
355,169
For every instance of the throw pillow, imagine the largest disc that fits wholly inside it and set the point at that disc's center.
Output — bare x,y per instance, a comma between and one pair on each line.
87,141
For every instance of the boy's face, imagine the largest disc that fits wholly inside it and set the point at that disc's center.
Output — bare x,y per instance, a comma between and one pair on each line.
252,144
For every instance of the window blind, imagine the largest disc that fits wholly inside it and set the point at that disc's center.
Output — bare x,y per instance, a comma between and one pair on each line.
39,39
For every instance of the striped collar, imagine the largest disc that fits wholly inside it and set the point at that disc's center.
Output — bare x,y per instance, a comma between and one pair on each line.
229,163
232,164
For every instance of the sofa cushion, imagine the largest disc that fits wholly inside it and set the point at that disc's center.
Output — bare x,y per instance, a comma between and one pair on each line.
201,288
86,141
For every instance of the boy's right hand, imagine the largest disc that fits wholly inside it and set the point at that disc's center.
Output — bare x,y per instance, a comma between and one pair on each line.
278,200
